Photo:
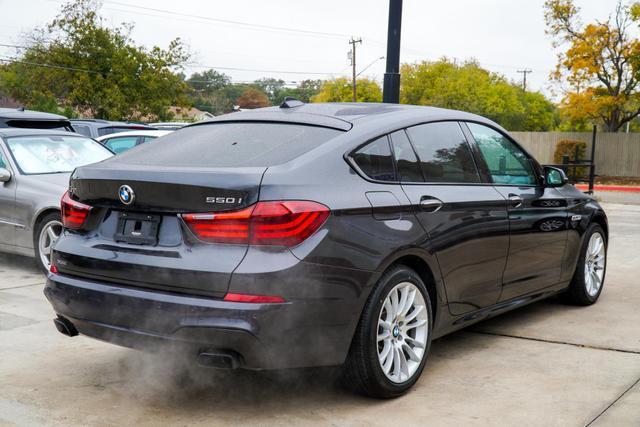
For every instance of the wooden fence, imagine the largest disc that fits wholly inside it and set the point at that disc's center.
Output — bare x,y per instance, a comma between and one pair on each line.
617,154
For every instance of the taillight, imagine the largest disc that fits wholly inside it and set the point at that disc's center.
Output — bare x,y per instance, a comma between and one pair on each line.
73,213
283,223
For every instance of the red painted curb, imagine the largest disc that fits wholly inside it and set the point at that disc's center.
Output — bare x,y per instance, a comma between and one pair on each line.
626,188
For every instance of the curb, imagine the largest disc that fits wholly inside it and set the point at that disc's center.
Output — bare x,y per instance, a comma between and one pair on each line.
625,188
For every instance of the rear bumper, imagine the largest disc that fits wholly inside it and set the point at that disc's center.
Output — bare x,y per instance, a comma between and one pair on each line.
298,333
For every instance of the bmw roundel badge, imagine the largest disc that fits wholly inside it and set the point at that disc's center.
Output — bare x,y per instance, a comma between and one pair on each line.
126,195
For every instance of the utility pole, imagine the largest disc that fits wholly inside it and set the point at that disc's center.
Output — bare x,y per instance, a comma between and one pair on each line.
352,56
391,88
524,77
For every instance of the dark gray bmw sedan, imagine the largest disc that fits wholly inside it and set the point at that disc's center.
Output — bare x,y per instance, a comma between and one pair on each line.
315,235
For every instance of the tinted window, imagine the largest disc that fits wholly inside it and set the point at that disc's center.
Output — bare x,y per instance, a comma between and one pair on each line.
115,129
443,152
82,129
406,160
121,144
3,164
506,162
375,160
148,138
231,145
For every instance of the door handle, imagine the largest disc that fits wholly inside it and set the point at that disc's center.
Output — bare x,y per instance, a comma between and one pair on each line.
430,204
515,201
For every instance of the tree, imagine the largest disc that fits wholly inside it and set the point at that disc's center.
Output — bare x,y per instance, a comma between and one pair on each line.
600,65
272,87
208,82
78,63
340,90
252,98
471,88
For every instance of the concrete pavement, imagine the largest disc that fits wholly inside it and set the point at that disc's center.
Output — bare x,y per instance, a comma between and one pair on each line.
544,365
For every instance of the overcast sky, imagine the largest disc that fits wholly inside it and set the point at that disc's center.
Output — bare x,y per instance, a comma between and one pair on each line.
503,35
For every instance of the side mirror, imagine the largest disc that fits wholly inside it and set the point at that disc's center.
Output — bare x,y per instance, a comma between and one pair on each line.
5,175
554,177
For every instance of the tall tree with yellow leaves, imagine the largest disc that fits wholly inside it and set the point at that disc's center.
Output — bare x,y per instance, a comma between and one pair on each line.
600,68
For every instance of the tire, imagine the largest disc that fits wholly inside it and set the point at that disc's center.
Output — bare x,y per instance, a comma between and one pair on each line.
49,221
581,291
363,371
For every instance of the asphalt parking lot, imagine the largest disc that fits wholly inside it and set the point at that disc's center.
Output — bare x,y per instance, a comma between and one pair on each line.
547,364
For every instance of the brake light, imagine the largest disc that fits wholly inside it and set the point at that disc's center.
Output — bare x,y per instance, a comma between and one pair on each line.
73,213
275,223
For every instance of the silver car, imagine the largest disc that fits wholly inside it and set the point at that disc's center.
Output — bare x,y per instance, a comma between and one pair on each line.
35,165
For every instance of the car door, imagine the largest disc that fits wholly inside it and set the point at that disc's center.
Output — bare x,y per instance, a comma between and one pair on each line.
537,214
7,204
465,219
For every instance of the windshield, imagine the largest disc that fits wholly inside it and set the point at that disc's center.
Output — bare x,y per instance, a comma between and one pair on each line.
51,154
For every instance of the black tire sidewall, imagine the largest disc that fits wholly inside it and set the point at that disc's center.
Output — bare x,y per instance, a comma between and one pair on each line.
392,278
42,223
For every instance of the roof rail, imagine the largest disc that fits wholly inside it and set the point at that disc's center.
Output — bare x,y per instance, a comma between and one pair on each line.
290,102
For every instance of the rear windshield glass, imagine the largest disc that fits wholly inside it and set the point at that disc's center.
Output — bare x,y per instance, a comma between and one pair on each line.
231,145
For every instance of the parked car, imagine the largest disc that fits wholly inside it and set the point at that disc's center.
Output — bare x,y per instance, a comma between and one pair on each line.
95,128
317,235
123,141
35,165
21,118
169,125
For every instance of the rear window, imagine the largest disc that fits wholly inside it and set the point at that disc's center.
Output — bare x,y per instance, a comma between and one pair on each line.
40,124
115,129
231,145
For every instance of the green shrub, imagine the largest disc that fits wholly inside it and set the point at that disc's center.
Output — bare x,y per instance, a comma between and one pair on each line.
568,147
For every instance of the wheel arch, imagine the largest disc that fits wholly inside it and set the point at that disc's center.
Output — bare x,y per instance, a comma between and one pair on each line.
429,271
601,219
37,218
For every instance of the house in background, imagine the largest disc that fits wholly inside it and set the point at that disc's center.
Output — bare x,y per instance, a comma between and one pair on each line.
189,114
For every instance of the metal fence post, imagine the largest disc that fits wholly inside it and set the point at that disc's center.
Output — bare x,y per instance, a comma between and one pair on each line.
592,161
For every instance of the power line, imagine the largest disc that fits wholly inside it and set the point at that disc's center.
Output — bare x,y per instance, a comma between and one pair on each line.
260,71
38,64
232,22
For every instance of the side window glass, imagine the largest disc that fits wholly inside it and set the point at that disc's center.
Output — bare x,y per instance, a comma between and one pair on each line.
3,164
82,130
148,138
406,160
506,162
443,152
119,145
375,160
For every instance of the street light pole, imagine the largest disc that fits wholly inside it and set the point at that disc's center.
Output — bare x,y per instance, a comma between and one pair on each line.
391,88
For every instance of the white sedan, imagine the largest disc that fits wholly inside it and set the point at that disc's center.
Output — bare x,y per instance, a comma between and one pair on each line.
123,141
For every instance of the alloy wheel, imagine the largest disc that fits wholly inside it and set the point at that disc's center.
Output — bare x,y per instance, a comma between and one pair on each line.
403,331
594,264
49,234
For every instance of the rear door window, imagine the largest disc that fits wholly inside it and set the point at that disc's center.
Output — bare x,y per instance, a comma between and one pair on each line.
232,145
406,160
82,129
121,144
443,152
375,160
